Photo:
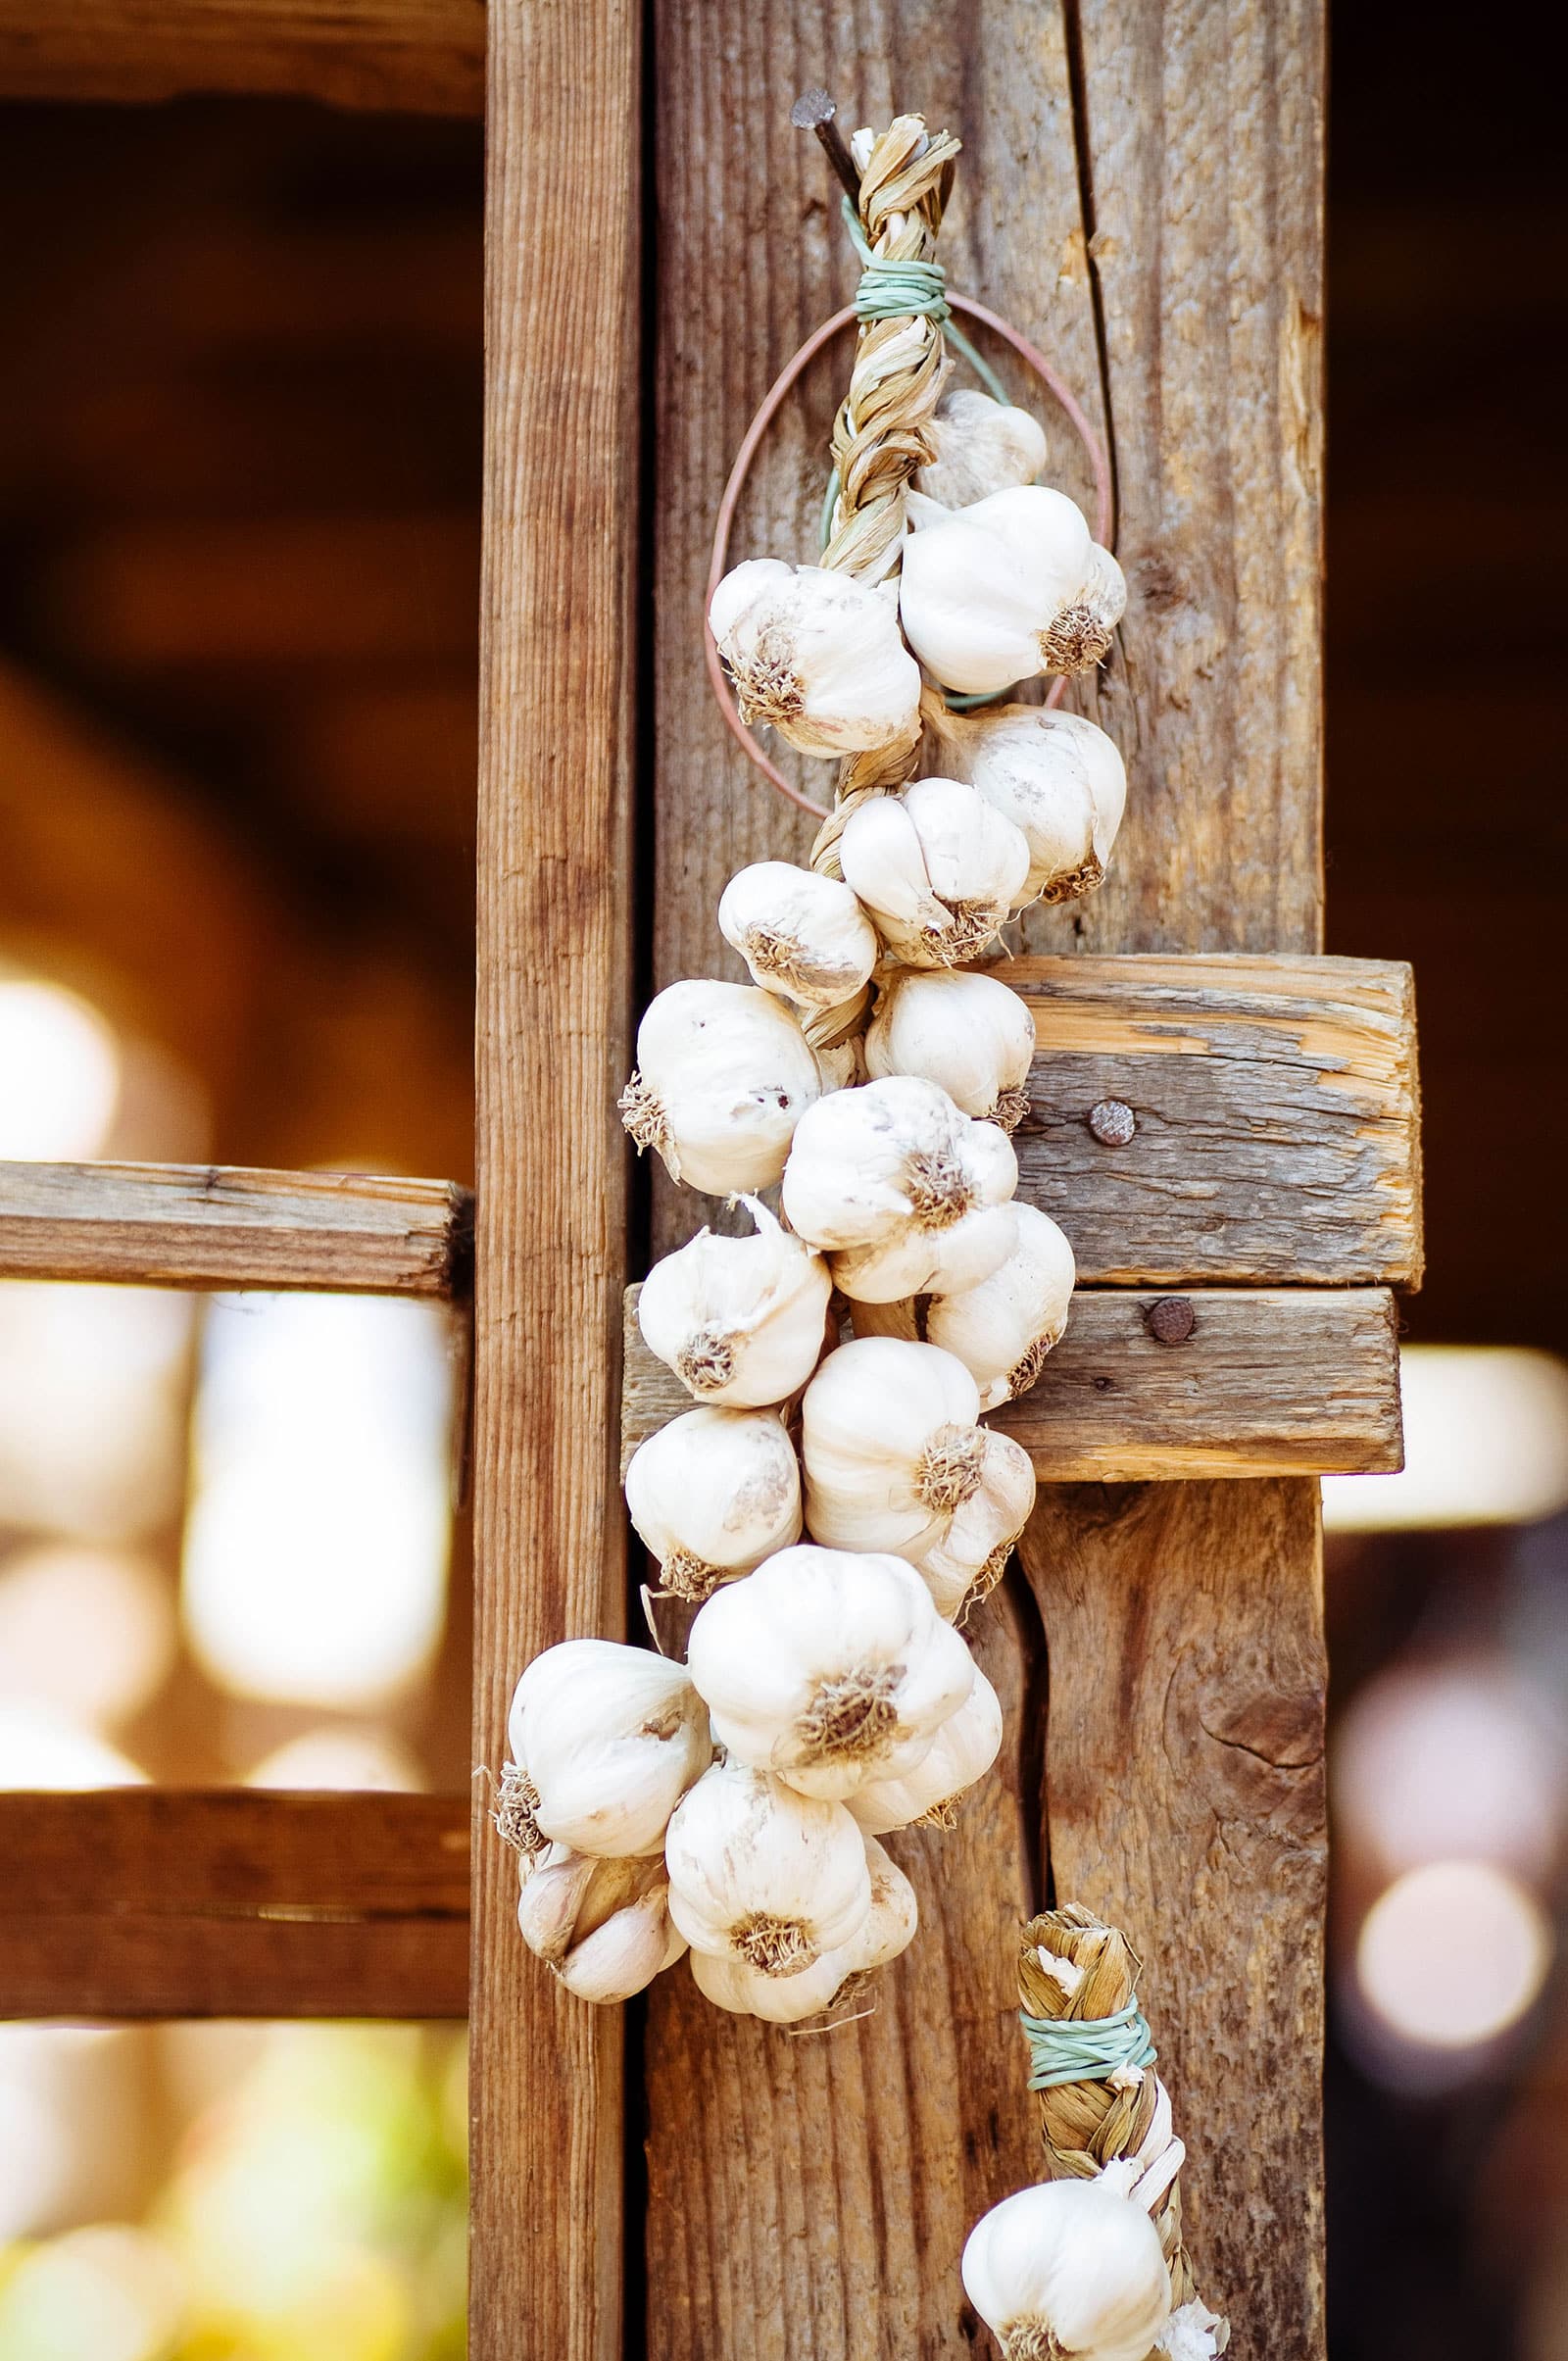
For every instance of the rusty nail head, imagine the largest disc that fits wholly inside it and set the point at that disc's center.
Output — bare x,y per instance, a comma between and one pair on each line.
1112,1122
1171,1320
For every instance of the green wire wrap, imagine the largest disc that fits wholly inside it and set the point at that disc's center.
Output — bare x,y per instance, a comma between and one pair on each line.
1086,2049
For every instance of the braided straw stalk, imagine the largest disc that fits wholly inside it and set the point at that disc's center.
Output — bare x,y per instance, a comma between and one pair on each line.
1085,2126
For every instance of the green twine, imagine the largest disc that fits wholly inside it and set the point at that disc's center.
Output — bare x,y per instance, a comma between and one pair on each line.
1086,2049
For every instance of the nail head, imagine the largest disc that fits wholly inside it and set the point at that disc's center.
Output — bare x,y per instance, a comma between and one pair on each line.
1112,1122
1171,1320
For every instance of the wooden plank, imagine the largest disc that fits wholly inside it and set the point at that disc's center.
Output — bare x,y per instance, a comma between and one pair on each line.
420,57
224,1226
1277,1117
143,1902
1268,1382
556,707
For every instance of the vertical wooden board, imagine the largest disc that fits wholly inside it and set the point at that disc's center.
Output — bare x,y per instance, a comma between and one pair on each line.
555,950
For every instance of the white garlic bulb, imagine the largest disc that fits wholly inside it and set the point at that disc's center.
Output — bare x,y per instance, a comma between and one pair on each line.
969,1034
982,446
1070,2267
961,1752
1007,589
828,1668
818,654
742,1321
800,934
713,1495
762,1873
971,1556
1002,1327
888,1929
1055,775
603,1925
891,1448
905,1194
938,867
723,1075
604,1742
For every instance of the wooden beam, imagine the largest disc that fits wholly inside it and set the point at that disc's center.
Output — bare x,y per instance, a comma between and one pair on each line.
416,57
143,1902
557,694
1287,1381
224,1226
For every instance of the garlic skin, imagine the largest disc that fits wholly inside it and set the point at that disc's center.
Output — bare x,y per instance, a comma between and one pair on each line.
1008,588
889,1928
724,1075
965,1565
801,935
961,1752
816,654
906,1193
761,1873
983,446
742,1321
970,1035
890,1446
829,1670
713,1495
604,1742
1070,2267
938,867
602,1925
1002,1327
1056,777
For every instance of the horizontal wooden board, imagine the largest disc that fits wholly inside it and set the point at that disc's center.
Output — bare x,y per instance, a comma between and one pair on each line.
1276,1381
152,1902
208,1227
1275,1117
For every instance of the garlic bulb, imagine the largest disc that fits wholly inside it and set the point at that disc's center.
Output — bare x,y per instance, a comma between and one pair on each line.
762,1873
829,1670
818,654
1055,775
906,1194
712,1493
800,934
891,1448
742,1321
1007,589
962,1751
604,1742
1070,2267
965,1565
723,1075
938,867
982,446
969,1034
1002,1327
603,1925
888,1929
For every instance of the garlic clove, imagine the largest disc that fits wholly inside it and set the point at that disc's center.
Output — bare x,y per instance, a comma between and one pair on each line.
764,1875
928,1796
555,1882
927,1262
968,1561
1003,1326
621,1957
1007,589
868,1165
969,1034
801,935
740,1320
828,1668
724,1075
1068,2267
1056,777
982,446
605,1740
889,1446
881,857
713,1495
938,867
816,654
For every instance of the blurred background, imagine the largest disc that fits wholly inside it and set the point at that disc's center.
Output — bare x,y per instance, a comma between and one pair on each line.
239,482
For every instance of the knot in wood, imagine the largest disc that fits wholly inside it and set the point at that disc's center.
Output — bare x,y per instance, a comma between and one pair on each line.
1112,1122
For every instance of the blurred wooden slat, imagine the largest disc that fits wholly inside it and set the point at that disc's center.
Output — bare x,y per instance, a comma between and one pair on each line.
420,57
223,1226
146,1902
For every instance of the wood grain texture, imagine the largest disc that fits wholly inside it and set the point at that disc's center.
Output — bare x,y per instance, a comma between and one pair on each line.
216,1226
563,217
420,57
145,1902
1285,1381
1278,1117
